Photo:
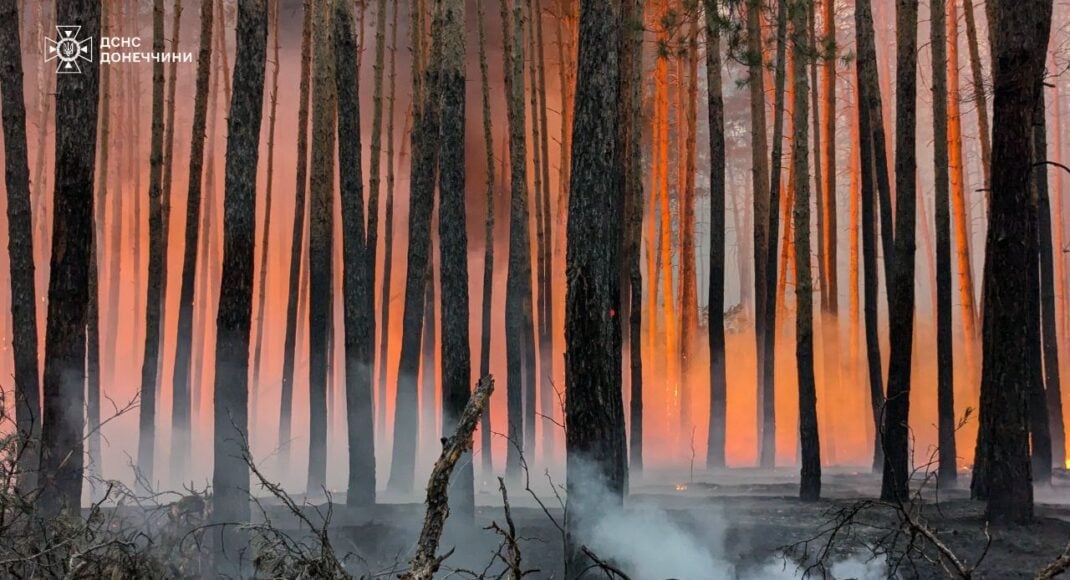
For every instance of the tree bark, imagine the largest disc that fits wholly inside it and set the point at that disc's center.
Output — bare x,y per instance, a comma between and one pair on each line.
715,454
68,287
767,360
150,379
945,356
594,410
1042,406
180,408
297,243
895,483
631,183
358,280
265,238
519,341
1048,296
810,484
874,177
486,451
230,479
425,151
456,358
1011,282
321,242
20,249
980,95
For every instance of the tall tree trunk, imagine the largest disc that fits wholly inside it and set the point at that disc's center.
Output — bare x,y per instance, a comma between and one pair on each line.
942,44
763,210
388,240
810,485
456,358
20,248
542,268
715,454
265,238
166,181
230,479
1044,403
1011,285
150,379
767,359
93,393
963,256
895,483
980,94
631,178
180,408
68,287
425,150
548,399
688,277
594,410
874,177
488,241
358,280
321,242
297,243
375,166
429,431
1048,296
519,339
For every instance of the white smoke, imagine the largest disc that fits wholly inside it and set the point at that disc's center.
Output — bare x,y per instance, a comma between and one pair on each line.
648,542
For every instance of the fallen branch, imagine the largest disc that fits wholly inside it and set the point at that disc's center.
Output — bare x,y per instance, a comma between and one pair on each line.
425,563
1056,567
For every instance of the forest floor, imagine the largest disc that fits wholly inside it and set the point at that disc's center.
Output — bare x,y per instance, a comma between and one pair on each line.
736,524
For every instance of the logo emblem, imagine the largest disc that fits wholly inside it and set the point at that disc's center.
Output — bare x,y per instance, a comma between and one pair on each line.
69,50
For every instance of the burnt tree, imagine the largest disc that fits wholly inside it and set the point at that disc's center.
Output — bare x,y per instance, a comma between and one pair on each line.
594,413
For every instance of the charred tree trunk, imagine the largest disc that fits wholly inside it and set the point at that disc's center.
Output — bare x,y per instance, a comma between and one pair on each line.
146,448
1040,415
945,357
20,248
388,240
297,243
456,358
715,454
980,95
874,177
1048,309
1011,282
767,452
68,288
265,243
594,413
519,332
358,278
488,241
810,485
425,150
230,479
321,242
764,210
631,183
895,482
548,399
180,408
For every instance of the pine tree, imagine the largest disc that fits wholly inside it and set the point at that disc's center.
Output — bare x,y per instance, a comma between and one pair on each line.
594,413
945,356
21,253
1011,273
358,279
150,379
230,478
321,241
68,288
715,454
297,243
